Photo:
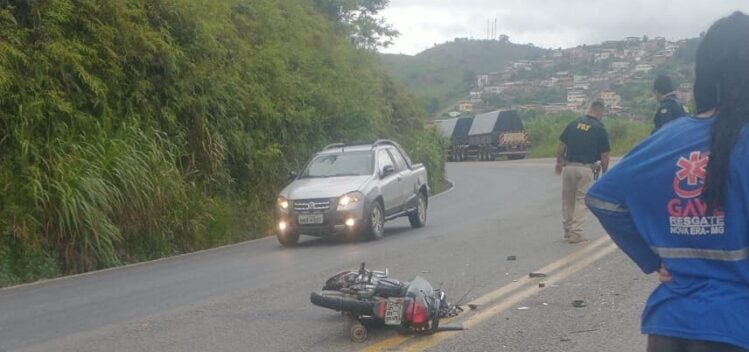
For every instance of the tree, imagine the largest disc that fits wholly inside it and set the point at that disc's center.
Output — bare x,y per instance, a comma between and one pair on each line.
359,18
469,78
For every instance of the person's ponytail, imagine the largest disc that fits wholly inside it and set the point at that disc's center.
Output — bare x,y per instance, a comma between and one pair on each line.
722,83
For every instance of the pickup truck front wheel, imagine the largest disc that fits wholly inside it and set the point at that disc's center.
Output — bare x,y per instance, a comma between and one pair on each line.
376,224
419,217
288,239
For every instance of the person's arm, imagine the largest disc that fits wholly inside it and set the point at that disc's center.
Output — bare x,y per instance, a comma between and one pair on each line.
663,115
607,201
618,223
561,150
605,162
603,150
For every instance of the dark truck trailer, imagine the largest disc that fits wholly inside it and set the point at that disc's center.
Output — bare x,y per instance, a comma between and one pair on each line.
486,136
456,129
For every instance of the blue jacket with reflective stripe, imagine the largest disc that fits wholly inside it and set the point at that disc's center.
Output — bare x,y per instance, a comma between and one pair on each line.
650,204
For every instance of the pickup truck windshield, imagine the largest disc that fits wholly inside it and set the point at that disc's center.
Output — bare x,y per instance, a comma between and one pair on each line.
341,164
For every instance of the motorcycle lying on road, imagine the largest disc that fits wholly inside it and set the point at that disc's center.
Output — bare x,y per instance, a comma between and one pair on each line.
368,297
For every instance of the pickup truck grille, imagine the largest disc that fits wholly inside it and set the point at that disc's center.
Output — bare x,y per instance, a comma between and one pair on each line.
312,205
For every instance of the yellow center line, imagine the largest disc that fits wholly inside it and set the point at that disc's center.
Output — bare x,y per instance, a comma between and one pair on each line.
525,281
425,342
548,269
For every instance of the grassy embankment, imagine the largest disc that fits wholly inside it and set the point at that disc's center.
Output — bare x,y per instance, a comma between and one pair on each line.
137,129
544,133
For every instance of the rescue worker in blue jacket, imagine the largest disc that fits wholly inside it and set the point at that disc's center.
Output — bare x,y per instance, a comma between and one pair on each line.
670,107
678,204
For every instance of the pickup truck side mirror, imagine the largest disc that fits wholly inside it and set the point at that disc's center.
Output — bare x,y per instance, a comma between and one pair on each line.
387,170
293,175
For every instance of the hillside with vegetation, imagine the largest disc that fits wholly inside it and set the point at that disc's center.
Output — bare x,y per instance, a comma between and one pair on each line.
441,75
497,74
136,129
620,73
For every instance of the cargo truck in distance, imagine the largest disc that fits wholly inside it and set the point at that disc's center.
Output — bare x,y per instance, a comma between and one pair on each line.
486,136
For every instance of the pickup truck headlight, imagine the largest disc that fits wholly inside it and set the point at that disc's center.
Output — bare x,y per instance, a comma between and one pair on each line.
282,203
349,199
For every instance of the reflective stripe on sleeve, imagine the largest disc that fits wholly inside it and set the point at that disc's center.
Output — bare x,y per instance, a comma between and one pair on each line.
592,202
695,253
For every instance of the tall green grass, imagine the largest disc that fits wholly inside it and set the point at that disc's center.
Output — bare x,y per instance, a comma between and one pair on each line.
544,131
134,129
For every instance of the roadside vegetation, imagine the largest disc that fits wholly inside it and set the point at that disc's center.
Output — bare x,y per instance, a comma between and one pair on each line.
544,131
132,130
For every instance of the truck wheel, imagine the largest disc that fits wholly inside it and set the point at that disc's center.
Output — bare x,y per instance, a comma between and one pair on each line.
375,229
288,239
419,217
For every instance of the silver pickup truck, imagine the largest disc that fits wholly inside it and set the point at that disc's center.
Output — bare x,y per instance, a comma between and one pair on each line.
351,190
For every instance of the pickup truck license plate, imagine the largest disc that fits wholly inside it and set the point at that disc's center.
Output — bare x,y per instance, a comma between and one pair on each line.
393,312
311,219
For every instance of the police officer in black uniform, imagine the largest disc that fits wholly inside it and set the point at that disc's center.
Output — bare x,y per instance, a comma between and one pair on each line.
583,143
670,107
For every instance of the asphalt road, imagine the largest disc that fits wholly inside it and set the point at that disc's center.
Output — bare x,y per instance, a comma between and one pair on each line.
255,296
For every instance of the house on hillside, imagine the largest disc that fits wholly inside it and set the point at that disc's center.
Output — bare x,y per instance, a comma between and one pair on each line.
494,90
620,65
482,81
522,65
476,97
465,106
611,99
576,98
579,55
643,68
556,107
599,57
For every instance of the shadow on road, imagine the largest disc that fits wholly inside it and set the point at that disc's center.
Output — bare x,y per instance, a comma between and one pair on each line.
311,242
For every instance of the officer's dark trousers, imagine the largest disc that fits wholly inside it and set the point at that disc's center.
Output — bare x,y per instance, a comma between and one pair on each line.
671,344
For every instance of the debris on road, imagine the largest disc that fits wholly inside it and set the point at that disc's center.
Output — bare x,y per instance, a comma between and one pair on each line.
512,258
523,308
541,284
578,303
473,306
536,274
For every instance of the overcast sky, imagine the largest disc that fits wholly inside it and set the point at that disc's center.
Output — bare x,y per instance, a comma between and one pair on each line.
549,23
